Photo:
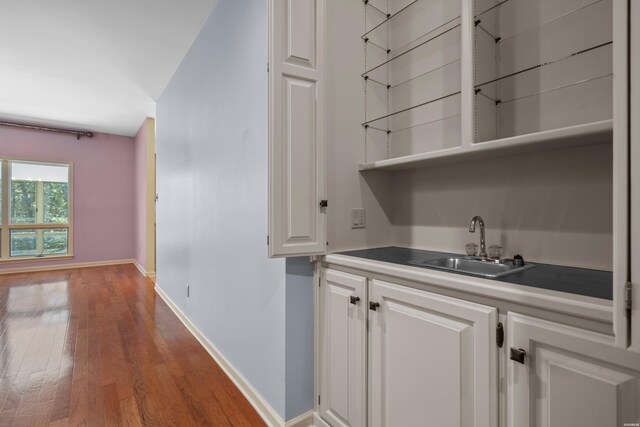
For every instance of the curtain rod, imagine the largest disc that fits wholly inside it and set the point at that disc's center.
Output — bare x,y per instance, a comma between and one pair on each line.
77,133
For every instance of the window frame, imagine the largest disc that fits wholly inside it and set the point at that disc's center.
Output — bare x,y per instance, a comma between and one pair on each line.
5,210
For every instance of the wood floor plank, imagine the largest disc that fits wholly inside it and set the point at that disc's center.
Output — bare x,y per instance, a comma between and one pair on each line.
95,347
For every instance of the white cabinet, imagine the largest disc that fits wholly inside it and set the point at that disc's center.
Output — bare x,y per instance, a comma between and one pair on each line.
433,359
296,127
343,335
569,377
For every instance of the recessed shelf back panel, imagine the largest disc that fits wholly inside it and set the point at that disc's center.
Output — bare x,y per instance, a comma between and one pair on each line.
541,65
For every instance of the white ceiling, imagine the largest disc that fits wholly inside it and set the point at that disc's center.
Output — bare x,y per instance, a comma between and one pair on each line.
99,65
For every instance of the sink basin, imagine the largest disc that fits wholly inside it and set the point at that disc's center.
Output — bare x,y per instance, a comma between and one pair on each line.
473,265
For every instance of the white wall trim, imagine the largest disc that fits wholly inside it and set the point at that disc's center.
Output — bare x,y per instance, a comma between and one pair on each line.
140,268
304,420
66,266
150,274
319,422
268,414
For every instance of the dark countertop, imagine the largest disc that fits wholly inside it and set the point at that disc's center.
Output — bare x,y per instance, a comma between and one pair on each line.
580,281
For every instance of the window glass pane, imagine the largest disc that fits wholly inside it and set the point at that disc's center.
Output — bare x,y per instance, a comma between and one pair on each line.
56,241
23,243
23,202
56,199
39,242
39,193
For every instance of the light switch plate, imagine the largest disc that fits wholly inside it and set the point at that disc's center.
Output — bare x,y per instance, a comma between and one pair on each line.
358,219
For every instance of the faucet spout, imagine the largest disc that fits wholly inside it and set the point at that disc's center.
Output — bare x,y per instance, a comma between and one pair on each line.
472,229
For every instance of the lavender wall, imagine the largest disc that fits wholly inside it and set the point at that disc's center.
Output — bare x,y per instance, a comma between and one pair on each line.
103,189
140,194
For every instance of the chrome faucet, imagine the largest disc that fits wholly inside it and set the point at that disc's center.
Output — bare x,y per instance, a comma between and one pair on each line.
472,229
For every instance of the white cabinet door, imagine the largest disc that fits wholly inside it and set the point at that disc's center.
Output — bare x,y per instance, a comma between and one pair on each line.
343,338
433,359
296,127
569,377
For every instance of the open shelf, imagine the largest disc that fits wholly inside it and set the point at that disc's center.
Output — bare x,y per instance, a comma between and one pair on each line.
389,16
541,66
430,36
412,77
572,136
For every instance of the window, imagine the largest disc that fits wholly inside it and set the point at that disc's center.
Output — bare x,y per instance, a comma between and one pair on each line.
36,210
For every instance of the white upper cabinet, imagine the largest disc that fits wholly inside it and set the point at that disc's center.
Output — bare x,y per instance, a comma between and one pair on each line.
433,359
565,376
296,128
444,82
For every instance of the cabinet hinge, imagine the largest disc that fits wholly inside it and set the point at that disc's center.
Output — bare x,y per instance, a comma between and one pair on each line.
267,240
267,67
318,399
500,335
628,296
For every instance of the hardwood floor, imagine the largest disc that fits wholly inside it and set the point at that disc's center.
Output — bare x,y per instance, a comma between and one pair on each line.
95,346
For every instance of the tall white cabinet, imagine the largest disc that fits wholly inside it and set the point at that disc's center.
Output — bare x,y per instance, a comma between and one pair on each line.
502,91
444,82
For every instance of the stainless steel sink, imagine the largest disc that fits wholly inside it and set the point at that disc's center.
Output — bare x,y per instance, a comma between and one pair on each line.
474,265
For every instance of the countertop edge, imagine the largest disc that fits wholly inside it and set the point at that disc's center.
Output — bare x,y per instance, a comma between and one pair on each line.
575,305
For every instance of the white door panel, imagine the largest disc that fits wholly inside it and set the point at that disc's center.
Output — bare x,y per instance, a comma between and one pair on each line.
570,377
343,349
433,359
296,128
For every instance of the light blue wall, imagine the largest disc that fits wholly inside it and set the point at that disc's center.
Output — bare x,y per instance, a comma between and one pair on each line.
212,208
299,337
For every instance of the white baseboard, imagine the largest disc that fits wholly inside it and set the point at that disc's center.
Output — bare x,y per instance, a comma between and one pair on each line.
65,266
139,267
268,414
304,420
319,422
149,274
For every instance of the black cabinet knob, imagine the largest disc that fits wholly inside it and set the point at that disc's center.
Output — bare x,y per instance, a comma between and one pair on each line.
518,355
374,305
354,300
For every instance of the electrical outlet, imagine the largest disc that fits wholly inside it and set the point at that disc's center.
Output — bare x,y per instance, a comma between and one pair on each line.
358,219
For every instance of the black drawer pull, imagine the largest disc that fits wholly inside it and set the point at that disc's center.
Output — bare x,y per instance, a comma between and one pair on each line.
518,355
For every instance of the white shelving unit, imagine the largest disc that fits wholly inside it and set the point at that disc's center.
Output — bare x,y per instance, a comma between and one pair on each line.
488,78
573,136
413,97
